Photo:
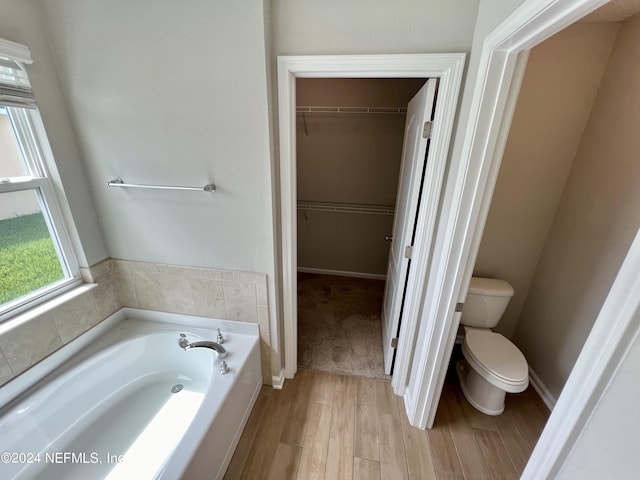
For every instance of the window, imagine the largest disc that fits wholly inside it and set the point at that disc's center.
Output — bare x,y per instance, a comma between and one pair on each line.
36,257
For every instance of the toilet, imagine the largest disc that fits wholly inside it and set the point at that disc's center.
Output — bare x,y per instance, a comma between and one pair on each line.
492,365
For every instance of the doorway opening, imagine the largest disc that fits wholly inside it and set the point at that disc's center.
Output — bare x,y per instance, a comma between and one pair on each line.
349,141
561,222
447,69
502,63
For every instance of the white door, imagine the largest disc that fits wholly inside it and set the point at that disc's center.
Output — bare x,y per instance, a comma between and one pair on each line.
414,157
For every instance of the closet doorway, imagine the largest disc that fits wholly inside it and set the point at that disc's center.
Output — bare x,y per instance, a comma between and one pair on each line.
349,141
447,70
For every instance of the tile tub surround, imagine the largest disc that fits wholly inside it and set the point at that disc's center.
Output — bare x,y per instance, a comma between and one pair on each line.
48,329
225,294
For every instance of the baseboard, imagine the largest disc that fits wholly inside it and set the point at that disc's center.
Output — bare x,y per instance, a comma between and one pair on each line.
342,273
277,381
542,390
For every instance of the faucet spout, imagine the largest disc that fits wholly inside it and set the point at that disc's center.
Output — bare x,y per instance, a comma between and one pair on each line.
221,352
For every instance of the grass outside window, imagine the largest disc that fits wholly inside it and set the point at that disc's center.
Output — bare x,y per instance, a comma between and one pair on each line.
37,258
28,258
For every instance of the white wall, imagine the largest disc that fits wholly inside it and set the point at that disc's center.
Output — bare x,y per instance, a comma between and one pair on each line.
172,93
343,27
594,226
21,21
608,446
558,90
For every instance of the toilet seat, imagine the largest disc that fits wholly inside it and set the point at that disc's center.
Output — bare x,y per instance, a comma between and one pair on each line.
496,359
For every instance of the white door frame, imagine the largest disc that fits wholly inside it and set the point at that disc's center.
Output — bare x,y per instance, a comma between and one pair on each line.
466,203
448,68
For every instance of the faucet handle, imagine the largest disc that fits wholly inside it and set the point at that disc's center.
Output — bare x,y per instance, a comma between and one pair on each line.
219,338
183,342
224,369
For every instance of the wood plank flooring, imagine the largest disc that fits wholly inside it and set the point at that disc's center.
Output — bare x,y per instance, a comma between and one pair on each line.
334,427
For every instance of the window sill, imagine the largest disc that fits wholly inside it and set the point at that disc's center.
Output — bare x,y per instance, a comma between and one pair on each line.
45,307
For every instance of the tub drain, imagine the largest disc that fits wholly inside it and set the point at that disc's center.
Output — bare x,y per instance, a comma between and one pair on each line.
176,388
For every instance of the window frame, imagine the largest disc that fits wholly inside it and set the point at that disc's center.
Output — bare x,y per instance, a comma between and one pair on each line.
38,158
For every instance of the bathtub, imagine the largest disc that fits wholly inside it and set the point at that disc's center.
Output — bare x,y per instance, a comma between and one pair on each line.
124,401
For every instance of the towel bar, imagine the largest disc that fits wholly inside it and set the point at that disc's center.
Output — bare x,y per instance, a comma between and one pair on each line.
118,182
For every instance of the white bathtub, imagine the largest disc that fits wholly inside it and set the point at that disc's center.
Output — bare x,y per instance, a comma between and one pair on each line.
103,406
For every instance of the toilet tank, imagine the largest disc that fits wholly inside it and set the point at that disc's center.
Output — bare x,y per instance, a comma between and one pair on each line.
486,302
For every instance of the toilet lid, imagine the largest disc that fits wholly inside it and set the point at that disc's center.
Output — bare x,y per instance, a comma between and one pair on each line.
497,355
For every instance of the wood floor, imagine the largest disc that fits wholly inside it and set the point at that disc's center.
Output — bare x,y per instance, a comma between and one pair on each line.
335,427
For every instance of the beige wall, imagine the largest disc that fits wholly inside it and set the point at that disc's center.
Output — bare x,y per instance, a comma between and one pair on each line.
558,91
596,221
357,92
344,243
349,159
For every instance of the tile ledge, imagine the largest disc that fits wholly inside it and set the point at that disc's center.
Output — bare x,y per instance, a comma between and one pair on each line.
45,307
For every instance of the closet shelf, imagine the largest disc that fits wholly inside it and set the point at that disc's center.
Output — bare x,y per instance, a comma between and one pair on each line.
347,208
316,109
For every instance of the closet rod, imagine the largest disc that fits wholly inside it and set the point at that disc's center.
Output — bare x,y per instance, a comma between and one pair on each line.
315,109
118,182
346,208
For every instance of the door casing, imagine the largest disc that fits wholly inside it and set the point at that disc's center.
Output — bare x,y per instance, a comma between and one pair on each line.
448,68
467,197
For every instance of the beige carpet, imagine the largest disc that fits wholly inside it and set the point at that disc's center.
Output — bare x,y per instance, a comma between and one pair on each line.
339,326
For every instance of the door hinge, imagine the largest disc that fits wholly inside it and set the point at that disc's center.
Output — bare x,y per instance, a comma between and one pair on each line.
408,250
394,343
459,307
426,130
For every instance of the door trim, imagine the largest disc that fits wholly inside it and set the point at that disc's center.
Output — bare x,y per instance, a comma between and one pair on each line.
466,202
448,68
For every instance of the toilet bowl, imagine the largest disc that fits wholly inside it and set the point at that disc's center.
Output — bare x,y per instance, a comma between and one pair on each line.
492,365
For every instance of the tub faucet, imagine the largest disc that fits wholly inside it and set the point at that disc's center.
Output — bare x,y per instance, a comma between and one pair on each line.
216,347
